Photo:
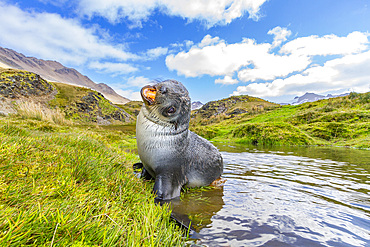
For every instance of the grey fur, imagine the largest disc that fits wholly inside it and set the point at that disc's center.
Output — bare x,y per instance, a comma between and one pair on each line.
171,153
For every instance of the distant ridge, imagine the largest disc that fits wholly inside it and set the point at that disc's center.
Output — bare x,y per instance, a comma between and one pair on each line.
312,97
196,105
55,71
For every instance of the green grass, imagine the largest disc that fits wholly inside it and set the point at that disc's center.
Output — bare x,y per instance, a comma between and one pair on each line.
229,108
343,121
74,186
132,108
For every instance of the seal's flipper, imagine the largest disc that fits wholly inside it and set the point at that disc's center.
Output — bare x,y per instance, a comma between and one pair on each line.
146,175
137,166
165,189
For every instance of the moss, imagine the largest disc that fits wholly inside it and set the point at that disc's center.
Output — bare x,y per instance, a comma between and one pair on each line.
86,106
16,83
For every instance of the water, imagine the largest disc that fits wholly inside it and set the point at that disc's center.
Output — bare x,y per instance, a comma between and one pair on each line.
284,197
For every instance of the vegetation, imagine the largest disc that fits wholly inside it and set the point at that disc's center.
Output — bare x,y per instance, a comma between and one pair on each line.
17,83
86,106
132,108
343,121
67,181
230,108
63,185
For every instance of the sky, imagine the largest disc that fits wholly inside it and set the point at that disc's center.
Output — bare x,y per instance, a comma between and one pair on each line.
271,49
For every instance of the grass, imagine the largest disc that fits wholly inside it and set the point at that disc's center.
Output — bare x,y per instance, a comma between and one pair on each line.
85,105
33,110
74,186
343,121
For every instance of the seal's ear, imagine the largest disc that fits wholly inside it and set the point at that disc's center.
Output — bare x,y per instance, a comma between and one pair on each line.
148,93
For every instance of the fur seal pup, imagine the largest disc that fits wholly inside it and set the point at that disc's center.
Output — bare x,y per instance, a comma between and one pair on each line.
169,152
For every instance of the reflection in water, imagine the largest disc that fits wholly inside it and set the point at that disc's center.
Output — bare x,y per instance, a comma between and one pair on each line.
296,197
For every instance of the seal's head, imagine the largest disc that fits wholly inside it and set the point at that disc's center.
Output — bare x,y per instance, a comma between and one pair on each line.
167,103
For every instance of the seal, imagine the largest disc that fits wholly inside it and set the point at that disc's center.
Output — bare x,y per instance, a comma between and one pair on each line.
169,152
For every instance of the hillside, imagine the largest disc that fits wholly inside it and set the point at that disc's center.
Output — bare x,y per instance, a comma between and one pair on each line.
342,121
56,72
20,90
229,108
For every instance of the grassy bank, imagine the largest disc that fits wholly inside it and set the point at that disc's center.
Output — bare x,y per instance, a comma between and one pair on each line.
343,121
63,185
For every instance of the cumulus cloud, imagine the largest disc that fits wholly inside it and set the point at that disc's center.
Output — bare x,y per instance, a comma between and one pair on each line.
280,35
327,45
210,12
50,36
340,74
250,60
288,71
227,80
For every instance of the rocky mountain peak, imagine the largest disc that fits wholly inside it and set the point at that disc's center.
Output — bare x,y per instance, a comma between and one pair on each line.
55,71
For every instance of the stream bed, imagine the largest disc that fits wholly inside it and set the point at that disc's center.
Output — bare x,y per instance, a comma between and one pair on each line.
295,196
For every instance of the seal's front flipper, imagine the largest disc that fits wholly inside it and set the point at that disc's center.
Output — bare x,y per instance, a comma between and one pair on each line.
137,166
165,189
145,175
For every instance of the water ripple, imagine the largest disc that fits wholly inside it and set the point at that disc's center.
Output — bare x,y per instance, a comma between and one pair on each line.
280,198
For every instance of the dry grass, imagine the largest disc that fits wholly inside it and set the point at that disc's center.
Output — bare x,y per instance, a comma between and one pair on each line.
35,110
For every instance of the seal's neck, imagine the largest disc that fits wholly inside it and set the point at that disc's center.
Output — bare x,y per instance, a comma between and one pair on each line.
164,127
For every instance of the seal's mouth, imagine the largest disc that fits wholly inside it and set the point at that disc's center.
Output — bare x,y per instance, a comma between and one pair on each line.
148,94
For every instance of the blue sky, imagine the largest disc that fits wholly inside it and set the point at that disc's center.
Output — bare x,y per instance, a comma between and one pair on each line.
272,49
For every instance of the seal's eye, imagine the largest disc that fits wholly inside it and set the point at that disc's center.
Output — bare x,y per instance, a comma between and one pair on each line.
163,90
171,110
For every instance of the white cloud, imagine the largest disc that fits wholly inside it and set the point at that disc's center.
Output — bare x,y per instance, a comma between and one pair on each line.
289,71
341,74
129,94
189,43
280,35
327,45
154,53
138,81
208,41
227,80
49,36
252,61
210,12
113,68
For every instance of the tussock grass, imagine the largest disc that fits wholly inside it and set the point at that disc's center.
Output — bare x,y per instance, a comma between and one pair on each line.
35,110
75,187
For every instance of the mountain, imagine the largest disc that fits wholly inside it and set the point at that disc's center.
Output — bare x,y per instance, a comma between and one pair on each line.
196,105
55,71
311,97
20,90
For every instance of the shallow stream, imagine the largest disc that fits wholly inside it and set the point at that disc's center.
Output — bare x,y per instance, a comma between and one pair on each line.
298,196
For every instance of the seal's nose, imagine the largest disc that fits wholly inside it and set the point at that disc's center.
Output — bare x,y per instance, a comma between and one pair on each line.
148,93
